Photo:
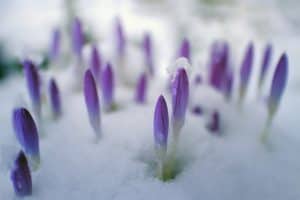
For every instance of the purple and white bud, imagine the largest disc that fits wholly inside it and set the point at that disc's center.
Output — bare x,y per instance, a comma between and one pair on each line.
228,85
120,39
21,177
77,37
92,102
96,64
148,52
141,89
55,45
185,49
55,99
107,84
265,64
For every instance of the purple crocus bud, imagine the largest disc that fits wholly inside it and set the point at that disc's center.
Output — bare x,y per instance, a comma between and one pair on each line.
120,38
180,97
141,88
184,50
278,84
27,134
214,124
246,69
108,87
92,101
161,124
21,177
55,101
33,86
219,60
77,37
265,63
55,45
148,51
95,64
228,84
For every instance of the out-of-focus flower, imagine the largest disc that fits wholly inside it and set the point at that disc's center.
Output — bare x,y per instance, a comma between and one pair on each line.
148,52
55,45
108,87
185,49
120,38
55,100
214,123
141,89
265,64
77,37
96,64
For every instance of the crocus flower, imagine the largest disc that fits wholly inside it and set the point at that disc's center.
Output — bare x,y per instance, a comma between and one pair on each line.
245,71
278,84
27,134
148,51
55,100
55,45
120,38
141,89
95,64
265,64
33,86
108,87
219,60
77,37
228,84
185,49
161,125
21,177
180,97
92,101
214,124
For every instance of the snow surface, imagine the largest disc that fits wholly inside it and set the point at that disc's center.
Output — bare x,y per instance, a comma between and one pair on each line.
230,167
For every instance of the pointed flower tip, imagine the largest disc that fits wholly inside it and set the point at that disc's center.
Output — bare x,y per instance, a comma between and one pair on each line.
278,82
21,177
107,85
265,63
55,44
95,64
161,123
77,36
55,99
26,132
185,49
148,51
180,96
246,67
140,96
120,37
214,123
92,101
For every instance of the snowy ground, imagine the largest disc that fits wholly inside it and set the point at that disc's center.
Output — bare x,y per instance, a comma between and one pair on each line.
234,166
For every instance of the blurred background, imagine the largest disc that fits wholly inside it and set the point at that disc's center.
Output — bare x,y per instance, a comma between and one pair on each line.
27,25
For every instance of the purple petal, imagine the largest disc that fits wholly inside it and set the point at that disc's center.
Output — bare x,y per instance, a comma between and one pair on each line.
228,84
55,45
148,50
278,83
33,84
26,132
246,68
265,63
55,100
120,38
161,123
180,96
214,124
219,60
77,37
185,49
21,177
108,86
92,101
140,95
95,64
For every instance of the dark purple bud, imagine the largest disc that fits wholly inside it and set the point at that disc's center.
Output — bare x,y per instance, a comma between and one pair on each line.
180,97
161,124
185,49
95,64
120,38
141,89
148,51
198,79
108,87
55,45
228,84
246,69
77,37
92,101
278,84
21,177
197,110
214,124
33,85
26,133
265,63
55,101
219,60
